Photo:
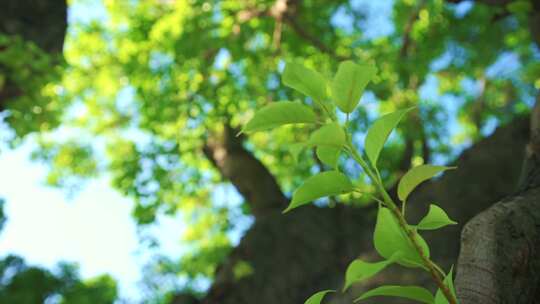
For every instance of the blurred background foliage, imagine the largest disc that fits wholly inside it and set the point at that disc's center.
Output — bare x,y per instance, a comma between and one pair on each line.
143,86
22,283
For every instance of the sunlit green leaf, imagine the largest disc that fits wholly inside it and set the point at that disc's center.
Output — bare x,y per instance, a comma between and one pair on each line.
331,134
320,185
328,155
317,297
349,83
378,134
278,114
389,238
359,270
435,219
304,80
419,294
415,176
448,281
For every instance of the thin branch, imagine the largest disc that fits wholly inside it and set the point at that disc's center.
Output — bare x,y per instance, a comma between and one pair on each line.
300,31
405,47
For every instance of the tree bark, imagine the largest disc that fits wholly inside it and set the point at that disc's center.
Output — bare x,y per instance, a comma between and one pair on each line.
250,177
499,260
307,250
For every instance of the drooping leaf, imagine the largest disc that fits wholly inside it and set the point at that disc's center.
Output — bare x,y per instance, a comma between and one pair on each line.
436,218
378,134
280,113
318,297
359,270
305,80
448,281
320,185
419,294
328,155
349,84
331,134
415,176
389,238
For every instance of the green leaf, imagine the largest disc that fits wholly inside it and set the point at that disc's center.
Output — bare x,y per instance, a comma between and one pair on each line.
436,218
448,281
280,113
295,150
419,294
320,185
378,134
359,270
349,84
318,297
331,134
328,155
389,238
415,176
304,80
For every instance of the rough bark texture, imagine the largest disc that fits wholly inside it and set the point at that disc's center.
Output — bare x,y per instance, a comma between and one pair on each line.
499,260
307,250
43,22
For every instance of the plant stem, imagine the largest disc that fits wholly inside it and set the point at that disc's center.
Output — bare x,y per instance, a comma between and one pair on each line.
433,269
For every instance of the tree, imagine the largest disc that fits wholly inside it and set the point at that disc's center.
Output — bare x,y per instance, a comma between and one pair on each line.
164,88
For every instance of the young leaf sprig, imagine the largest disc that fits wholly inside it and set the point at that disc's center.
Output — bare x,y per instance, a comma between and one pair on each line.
395,240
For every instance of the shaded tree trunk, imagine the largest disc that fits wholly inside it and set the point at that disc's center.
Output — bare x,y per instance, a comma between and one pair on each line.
499,260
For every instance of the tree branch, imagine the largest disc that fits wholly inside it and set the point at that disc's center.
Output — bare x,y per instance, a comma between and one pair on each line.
403,52
250,177
301,31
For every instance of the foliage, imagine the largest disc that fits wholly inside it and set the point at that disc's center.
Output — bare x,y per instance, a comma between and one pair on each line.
25,284
29,81
147,84
394,239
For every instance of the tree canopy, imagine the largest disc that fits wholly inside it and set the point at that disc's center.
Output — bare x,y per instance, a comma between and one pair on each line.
148,92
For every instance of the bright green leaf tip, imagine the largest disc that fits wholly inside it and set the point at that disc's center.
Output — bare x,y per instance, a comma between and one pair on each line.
379,132
278,114
318,297
349,84
416,176
436,218
320,185
305,80
416,293
359,270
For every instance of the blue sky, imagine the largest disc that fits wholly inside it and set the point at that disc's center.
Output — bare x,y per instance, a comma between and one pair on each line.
93,228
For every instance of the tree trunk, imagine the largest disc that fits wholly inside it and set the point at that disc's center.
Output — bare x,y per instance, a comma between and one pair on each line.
307,250
499,260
